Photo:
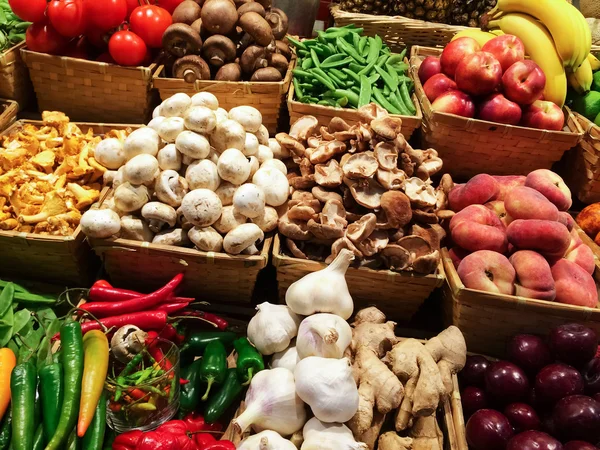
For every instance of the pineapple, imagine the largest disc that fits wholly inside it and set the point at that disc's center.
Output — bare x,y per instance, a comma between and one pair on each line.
378,7
430,10
469,12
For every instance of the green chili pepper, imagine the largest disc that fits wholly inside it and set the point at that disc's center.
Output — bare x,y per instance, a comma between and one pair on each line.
23,384
51,396
219,402
74,442
109,438
6,430
349,50
213,368
365,91
374,49
387,79
405,96
190,392
38,440
196,342
72,361
296,43
94,436
383,101
249,360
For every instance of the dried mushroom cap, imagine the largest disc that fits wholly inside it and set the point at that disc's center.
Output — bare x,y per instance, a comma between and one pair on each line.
387,127
303,183
290,144
326,151
338,124
325,134
427,264
367,192
302,212
395,257
293,229
302,196
334,213
313,142
416,156
339,245
433,234
407,165
344,136
446,183
304,127
325,231
329,175
445,214
374,243
386,155
429,167
362,228
441,201
428,217
400,143
371,111
421,194
360,165
323,195
391,179
294,250
396,206
415,245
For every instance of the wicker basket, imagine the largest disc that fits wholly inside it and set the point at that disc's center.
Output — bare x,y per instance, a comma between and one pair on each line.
471,146
15,83
90,90
489,320
324,114
399,32
398,295
267,97
8,113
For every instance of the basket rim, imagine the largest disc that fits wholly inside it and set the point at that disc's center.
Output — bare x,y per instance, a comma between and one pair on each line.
9,50
587,126
9,114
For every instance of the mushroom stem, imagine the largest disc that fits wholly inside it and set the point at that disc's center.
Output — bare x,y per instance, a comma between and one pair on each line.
189,76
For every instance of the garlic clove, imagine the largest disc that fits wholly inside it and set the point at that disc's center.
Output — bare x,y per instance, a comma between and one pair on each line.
272,328
325,335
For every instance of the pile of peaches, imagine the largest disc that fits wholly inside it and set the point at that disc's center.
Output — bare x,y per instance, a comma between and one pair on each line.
512,235
494,82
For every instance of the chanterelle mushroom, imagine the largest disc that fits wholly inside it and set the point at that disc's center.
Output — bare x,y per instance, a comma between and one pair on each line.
420,193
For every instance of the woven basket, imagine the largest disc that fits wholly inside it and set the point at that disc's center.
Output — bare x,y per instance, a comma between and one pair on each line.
471,146
324,114
398,295
90,90
14,77
8,113
399,32
267,97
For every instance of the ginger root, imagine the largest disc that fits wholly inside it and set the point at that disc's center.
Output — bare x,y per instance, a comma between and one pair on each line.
371,330
391,441
370,436
449,350
426,434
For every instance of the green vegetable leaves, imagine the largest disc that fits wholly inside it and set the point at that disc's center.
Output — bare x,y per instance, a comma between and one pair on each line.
12,29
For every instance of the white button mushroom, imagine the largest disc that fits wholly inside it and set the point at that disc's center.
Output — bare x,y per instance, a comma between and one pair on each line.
156,122
192,144
233,166
203,175
251,145
100,223
230,218
143,140
213,156
135,229
249,117
279,152
159,215
205,99
201,207
110,153
170,128
200,119
228,134
275,163
169,158
225,192
129,198
176,236
176,105
274,184
119,178
263,135
206,239
108,177
221,115
249,200
187,160
243,239
264,153
170,188
141,169
254,166
156,112
268,220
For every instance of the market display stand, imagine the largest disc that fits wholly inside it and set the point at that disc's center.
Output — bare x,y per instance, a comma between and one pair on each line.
15,83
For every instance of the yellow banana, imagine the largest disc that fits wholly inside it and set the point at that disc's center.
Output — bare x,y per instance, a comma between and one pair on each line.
540,48
480,36
584,38
581,79
562,21
496,32
594,62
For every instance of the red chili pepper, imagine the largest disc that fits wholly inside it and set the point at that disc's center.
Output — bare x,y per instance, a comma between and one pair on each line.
183,382
217,321
154,440
175,427
112,294
108,309
156,352
128,440
101,284
170,308
136,394
195,423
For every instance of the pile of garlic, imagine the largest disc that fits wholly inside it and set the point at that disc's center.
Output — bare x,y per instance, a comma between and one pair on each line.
310,370
197,175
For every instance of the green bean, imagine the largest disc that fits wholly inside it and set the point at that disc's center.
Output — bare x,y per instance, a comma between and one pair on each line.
314,57
381,60
307,63
296,43
323,79
343,62
365,91
302,73
362,44
387,79
397,102
355,68
356,42
297,88
405,96
395,59
333,58
349,50
342,101
375,48
339,74
351,95
381,100
351,74
374,78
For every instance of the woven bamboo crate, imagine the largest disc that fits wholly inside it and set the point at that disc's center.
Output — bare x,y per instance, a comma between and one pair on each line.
472,146
267,97
489,320
8,113
399,32
398,295
90,90
15,83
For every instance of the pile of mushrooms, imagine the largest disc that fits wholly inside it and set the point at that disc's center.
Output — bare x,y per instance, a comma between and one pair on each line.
197,175
227,40
363,188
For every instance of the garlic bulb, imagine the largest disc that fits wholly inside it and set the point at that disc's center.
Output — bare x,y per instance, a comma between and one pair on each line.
329,436
272,328
272,404
328,387
288,358
323,291
266,440
325,335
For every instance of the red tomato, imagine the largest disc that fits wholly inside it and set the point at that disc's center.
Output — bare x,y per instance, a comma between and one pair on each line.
169,5
42,37
105,57
97,38
150,22
127,48
67,17
29,10
78,48
105,14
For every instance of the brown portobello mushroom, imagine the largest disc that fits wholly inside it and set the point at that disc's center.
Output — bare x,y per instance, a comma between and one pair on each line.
243,43
279,62
219,16
229,72
181,39
239,3
253,58
191,68
197,26
186,12
284,49
251,7
266,74
278,20
257,27
218,50
265,3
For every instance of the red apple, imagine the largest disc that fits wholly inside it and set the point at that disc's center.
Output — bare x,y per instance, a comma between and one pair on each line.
544,115
507,49
429,67
524,82
437,85
497,108
455,51
454,102
478,74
